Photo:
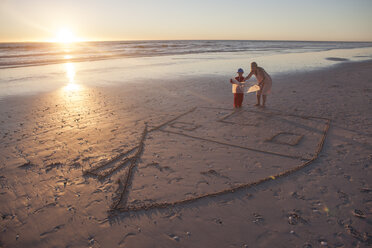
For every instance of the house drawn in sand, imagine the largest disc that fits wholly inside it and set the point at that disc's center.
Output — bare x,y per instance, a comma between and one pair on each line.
208,151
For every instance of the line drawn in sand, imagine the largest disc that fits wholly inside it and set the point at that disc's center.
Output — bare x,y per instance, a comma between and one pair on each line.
175,126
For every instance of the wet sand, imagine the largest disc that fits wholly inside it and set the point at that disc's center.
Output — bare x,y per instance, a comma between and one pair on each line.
77,171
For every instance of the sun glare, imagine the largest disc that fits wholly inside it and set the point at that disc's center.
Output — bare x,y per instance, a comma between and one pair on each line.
65,36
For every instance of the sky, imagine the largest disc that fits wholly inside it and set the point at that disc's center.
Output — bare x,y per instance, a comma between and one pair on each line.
323,20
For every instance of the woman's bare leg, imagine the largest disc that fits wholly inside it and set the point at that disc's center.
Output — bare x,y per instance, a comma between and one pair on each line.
263,100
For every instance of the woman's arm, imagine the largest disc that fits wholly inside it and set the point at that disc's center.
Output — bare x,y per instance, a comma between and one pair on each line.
249,76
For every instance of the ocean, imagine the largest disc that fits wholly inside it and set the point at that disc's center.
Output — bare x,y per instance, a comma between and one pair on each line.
33,54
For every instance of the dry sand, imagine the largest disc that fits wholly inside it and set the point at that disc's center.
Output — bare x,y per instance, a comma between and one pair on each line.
196,145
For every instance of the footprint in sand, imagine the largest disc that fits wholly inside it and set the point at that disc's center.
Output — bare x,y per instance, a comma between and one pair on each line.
55,229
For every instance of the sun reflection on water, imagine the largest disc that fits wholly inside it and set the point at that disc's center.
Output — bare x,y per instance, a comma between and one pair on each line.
72,87
73,94
70,74
74,98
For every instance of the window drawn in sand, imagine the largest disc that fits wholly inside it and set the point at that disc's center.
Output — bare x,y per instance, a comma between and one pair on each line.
210,151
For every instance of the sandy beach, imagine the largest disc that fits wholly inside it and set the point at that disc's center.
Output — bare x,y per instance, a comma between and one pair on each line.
170,163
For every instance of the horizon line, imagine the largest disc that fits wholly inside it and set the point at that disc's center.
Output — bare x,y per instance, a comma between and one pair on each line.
117,40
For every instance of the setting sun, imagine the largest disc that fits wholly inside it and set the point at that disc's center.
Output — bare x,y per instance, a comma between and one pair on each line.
65,36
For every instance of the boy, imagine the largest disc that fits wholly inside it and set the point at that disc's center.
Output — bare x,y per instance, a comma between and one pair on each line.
238,89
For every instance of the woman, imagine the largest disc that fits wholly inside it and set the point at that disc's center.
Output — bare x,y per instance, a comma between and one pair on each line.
264,81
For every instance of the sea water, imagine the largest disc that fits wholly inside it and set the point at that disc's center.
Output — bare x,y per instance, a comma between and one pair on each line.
28,68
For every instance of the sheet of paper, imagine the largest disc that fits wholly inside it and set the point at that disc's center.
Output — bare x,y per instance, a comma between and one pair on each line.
253,88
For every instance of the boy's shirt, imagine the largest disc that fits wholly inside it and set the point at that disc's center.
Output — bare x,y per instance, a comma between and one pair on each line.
237,88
